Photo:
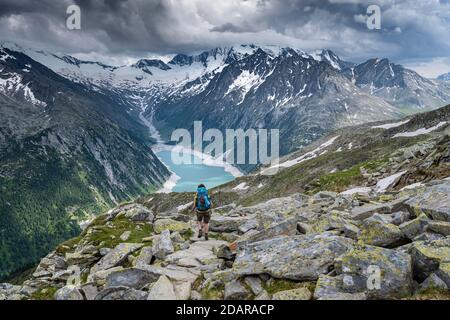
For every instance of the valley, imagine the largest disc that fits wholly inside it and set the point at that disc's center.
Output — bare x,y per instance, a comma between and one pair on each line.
78,138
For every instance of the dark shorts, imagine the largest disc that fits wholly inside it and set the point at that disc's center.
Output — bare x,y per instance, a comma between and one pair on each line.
203,216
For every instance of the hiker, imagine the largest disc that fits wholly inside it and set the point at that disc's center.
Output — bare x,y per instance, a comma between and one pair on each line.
202,206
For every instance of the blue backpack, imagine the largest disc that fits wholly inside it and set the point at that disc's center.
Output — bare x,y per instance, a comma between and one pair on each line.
203,201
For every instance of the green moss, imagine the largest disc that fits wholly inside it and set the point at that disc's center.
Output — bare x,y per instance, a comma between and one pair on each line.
213,293
276,285
47,293
109,236
338,181
68,246
188,234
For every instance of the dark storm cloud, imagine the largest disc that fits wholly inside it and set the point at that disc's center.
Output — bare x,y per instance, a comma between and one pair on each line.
411,29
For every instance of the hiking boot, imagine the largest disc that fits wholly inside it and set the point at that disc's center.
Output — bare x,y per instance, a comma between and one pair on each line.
200,234
206,237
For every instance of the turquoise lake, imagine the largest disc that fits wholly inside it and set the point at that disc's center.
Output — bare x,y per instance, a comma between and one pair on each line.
191,175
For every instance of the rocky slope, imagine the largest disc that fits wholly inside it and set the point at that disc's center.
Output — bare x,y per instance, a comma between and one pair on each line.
399,86
362,214
66,152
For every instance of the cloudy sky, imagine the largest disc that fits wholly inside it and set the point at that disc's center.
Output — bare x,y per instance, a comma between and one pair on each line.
413,32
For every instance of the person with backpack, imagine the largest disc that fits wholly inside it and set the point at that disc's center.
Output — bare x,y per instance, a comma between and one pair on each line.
202,206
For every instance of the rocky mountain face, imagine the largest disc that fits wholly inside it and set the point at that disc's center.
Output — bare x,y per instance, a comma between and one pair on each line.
444,77
66,152
399,86
361,214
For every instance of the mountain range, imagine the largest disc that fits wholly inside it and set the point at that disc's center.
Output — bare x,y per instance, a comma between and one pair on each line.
74,134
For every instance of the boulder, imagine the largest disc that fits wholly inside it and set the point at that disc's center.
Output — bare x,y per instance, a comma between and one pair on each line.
294,294
163,245
400,217
235,290
89,290
365,266
255,284
176,273
139,213
330,288
433,200
162,290
68,293
116,256
144,258
415,227
171,225
441,227
121,293
366,211
182,290
125,235
428,255
131,278
377,233
302,257
285,228
444,272
229,223
433,282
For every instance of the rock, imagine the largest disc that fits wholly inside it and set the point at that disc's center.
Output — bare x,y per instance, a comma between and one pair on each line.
366,211
415,227
104,251
234,290
444,272
195,295
330,288
263,296
255,284
428,255
182,290
62,275
144,258
399,217
170,225
125,235
350,231
162,290
80,259
99,277
139,213
89,290
377,233
294,294
163,245
224,252
176,273
302,257
116,256
433,282
68,293
248,225
131,278
229,224
121,293
358,269
433,200
440,227
286,228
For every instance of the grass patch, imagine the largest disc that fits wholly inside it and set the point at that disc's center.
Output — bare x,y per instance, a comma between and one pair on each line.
109,236
44,294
